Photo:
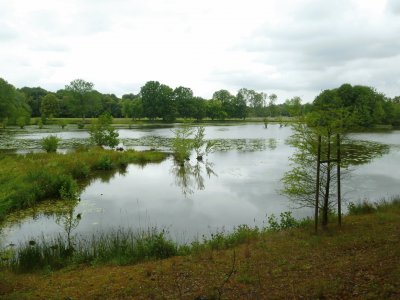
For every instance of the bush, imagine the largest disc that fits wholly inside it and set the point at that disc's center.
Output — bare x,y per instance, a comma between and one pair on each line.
80,170
21,122
5,122
50,143
63,123
361,208
104,163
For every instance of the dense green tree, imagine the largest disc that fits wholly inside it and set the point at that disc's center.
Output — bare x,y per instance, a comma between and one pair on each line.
13,104
293,106
238,106
33,97
365,105
184,100
199,108
81,97
49,106
226,100
214,110
272,108
111,104
158,101
132,107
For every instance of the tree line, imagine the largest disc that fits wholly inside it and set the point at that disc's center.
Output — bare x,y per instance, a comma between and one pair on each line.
155,100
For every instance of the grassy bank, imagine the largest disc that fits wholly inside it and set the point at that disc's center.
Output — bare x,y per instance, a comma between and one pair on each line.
28,179
360,260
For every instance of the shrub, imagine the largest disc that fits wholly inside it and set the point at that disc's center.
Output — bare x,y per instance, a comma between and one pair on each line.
21,122
80,170
50,143
104,163
361,208
62,123
5,122
40,124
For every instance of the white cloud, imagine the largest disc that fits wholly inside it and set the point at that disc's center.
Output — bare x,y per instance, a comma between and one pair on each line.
291,47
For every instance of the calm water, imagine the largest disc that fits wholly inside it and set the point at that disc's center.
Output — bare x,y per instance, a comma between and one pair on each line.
239,185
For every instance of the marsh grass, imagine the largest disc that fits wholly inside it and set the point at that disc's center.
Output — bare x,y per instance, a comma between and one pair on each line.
28,179
367,207
124,246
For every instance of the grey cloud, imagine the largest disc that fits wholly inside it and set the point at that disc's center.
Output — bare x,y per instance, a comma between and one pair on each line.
7,33
49,47
319,47
56,64
393,6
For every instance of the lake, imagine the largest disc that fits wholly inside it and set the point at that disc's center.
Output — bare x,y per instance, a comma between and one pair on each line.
236,184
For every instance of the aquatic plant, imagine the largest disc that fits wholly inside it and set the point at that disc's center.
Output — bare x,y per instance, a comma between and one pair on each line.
50,143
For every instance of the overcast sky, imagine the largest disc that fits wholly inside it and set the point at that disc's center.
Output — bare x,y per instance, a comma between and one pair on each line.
287,47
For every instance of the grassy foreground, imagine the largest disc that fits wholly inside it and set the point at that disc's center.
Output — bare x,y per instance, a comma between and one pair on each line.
360,260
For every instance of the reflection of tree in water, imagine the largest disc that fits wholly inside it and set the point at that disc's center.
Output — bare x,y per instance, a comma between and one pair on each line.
69,221
272,144
190,177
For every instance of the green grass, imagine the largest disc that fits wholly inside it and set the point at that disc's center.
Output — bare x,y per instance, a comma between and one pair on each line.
28,179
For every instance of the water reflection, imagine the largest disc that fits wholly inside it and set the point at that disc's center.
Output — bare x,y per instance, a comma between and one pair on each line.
190,177
361,152
69,222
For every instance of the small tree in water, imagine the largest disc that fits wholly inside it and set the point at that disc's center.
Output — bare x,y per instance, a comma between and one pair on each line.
187,139
102,133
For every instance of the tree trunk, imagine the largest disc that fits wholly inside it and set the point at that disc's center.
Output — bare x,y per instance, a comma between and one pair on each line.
317,184
339,197
327,186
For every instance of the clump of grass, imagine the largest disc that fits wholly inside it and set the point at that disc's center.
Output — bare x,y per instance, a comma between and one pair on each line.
117,247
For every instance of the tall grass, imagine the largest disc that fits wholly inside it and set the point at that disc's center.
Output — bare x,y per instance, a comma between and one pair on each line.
367,207
124,246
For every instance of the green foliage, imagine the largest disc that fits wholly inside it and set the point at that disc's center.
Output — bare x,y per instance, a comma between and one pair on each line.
361,208
182,145
5,122
21,122
158,101
104,163
82,98
102,133
62,123
12,103
50,143
49,105
40,124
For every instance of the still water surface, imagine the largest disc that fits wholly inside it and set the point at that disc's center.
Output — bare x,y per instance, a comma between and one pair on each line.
238,184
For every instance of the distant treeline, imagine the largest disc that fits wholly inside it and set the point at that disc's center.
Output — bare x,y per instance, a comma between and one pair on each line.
159,101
